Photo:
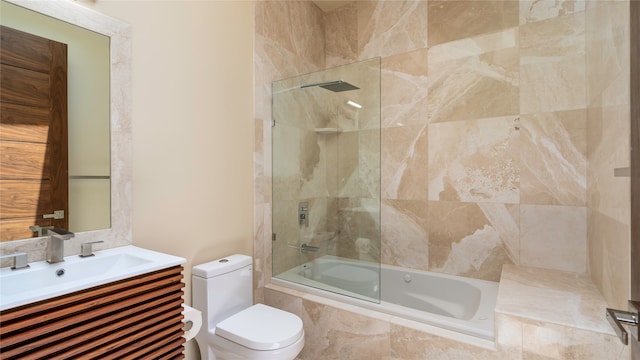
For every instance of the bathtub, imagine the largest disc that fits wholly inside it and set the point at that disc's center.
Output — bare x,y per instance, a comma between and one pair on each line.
451,302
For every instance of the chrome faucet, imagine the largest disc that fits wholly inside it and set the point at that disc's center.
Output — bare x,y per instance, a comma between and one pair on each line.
55,245
41,230
305,248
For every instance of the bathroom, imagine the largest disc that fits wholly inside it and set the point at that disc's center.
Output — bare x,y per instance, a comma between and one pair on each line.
219,118
493,142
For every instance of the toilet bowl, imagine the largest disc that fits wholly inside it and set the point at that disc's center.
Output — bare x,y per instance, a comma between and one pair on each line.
259,332
233,328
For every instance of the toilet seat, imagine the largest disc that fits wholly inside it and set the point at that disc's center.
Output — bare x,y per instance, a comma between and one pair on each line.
261,327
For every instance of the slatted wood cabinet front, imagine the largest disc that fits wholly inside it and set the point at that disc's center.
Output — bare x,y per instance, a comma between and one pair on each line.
135,318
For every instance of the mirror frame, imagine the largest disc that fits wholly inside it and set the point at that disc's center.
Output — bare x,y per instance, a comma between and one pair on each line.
119,32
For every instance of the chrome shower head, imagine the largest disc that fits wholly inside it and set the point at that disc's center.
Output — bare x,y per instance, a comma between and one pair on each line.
335,86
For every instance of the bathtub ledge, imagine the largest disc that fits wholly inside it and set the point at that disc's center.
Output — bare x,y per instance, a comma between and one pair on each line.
552,296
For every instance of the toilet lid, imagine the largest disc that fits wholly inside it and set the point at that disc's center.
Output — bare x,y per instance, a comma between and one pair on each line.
261,327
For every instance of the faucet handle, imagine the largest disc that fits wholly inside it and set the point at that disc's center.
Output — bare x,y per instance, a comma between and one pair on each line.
19,260
86,250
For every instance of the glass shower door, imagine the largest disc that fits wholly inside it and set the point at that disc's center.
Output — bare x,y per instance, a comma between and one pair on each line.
326,179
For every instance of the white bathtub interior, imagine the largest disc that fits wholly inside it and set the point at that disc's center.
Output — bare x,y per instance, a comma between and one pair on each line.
455,303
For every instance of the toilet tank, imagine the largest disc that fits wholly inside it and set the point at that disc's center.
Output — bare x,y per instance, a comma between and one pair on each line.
222,287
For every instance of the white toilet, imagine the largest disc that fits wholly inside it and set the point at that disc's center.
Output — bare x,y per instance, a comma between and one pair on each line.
232,327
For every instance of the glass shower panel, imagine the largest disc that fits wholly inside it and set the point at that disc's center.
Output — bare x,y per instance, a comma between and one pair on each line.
326,179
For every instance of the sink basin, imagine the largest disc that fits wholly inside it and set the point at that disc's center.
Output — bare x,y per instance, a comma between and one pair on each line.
43,280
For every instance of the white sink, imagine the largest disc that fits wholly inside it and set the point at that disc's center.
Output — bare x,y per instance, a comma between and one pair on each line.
43,280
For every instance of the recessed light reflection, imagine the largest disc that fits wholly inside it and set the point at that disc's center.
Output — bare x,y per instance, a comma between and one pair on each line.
354,104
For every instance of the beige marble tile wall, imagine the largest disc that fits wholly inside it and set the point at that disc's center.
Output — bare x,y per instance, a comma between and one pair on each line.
507,140
490,111
289,41
607,49
484,125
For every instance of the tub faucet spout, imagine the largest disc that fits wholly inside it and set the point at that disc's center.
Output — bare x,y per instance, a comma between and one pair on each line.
305,247
55,245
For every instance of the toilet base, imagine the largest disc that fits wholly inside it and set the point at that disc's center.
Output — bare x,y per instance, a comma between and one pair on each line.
223,349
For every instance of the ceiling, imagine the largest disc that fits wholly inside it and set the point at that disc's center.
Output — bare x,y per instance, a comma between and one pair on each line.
328,5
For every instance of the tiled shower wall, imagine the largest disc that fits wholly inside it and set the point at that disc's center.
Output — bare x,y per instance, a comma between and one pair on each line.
484,125
609,217
289,41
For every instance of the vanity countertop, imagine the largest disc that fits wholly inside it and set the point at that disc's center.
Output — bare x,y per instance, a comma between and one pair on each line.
552,296
43,280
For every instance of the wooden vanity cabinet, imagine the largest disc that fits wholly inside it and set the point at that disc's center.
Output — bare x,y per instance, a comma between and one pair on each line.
135,318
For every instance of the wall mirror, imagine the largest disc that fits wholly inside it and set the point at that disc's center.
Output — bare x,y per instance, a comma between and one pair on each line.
87,130
99,135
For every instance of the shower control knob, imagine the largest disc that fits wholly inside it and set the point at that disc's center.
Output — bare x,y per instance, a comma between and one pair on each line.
407,278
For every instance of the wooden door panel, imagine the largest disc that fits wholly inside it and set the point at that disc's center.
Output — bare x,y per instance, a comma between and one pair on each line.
23,123
57,142
25,50
15,229
26,87
24,161
33,133
20,198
